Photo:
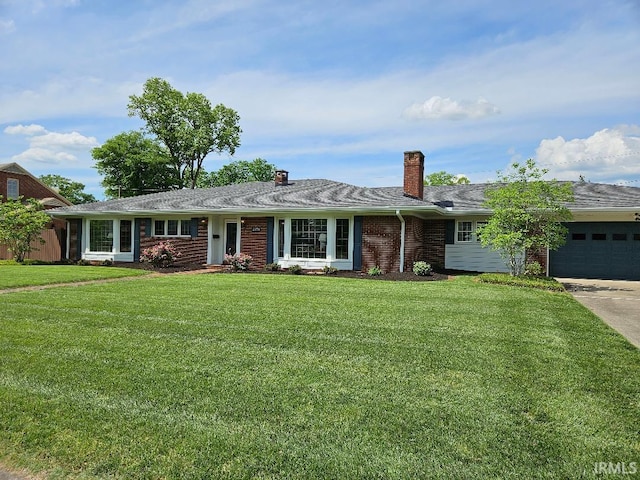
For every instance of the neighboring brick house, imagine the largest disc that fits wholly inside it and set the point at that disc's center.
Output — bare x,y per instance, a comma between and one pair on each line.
16,182
318,223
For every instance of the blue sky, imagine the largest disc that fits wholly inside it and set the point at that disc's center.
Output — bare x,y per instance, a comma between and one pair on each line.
335,89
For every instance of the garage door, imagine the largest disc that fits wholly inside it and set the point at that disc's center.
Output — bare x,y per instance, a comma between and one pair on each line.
599,250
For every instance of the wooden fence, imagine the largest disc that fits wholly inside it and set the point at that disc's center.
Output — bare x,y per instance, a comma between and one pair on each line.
51,251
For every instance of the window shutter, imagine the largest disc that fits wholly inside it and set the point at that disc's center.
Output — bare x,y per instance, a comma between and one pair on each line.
147,227
194,227
357,243
270,224
137,225
80,239
449,232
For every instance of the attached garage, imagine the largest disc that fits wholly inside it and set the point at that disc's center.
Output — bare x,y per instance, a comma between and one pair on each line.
608,250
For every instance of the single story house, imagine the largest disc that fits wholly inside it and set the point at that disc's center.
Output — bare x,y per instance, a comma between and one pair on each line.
16,182
317,223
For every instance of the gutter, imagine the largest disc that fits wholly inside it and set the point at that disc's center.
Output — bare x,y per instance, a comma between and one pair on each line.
402,235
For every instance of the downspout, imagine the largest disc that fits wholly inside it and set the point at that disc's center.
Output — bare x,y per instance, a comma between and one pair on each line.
402,234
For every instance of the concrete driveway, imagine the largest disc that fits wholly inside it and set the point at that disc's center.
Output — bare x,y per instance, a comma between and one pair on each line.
617,302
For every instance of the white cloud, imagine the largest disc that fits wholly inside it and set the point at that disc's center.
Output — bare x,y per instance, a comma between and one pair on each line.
609,155
49,147
43,155
32,129
448,109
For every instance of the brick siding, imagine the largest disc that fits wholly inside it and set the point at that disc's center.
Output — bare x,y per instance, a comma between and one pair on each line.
434,242
254,243
193,250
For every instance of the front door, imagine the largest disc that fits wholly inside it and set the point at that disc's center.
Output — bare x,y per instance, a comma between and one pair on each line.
230,237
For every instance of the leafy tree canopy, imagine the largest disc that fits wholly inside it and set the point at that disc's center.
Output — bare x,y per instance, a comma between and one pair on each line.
527,214
72,191
132,164
445,178
240,171
21,223
187,125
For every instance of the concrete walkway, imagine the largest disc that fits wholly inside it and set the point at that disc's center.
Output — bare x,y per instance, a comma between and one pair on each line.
617,302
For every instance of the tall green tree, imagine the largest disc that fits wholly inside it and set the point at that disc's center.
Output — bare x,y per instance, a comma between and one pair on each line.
241,171
527,214
187,125
445,178
72,191
21,223
132,164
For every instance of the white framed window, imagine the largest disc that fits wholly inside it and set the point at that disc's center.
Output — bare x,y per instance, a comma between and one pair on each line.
314,238
13,188
100,235
172,228
309,237
465,231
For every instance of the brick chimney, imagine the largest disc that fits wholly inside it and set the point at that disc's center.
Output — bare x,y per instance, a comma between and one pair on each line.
414,174
282,178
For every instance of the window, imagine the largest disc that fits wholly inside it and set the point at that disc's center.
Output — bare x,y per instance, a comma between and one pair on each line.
101,235
465,230
281,238
158,228
172,228
598,236
342,238
619,237
636,236
309,238
125,235
578,236
13,188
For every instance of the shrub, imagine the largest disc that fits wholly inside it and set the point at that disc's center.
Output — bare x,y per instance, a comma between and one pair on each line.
161,255
327,270
295,269
106,263
272,267
239,261
374,271
83,263
533,269
421,268
543,283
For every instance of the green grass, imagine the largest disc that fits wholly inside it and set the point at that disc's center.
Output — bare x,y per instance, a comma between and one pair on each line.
14,275
260,376
544,283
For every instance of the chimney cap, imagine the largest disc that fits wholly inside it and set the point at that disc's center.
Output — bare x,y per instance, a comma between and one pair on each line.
282,178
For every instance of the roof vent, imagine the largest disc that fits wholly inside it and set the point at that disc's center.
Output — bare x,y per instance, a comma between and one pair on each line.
282,178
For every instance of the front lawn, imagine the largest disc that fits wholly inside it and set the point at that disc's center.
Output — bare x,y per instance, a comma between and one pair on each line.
260,376
14,275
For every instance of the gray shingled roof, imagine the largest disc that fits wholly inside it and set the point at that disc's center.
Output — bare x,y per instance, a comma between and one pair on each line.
330,195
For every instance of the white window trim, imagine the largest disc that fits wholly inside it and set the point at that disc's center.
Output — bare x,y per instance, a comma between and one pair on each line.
470,232
115,254
15,182
474,229
166,225
330,248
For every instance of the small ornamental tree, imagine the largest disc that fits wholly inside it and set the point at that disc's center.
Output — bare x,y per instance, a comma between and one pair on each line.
21,223
527,214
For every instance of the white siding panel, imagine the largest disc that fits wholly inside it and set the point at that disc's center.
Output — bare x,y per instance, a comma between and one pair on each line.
472,257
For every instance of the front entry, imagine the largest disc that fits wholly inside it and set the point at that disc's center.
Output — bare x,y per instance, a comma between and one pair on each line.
230,237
